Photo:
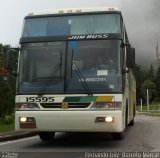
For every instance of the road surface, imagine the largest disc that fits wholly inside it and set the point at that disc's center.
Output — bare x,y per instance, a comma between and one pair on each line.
144,136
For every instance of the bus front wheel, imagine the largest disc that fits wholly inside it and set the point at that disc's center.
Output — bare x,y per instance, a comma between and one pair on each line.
131,123
118,136
46,136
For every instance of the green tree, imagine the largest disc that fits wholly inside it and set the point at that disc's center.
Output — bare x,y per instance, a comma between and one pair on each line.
151,86
151,73
140,76
157,81
7,85
7,96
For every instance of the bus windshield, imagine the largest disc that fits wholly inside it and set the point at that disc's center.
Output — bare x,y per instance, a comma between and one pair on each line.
88,66
71,25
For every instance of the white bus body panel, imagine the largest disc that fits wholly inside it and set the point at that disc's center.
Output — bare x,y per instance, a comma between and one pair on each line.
68,120
73,121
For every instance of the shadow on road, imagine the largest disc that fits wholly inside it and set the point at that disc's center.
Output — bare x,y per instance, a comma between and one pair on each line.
79,141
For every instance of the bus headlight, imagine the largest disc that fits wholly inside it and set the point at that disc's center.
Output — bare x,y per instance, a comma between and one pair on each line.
21,106
106,105
107,119
27,122
23,119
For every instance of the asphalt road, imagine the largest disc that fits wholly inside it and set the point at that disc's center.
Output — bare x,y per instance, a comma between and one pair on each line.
144,136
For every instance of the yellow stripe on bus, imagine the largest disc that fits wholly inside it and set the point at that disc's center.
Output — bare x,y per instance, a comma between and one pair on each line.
104,98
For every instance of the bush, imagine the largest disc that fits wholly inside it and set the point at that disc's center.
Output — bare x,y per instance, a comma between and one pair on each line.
8,119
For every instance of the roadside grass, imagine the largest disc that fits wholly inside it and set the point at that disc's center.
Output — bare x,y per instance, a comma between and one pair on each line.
154,110
7,123
6,127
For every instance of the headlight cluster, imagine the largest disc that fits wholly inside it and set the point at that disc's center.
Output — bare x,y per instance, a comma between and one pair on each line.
27,122
24,106
106,105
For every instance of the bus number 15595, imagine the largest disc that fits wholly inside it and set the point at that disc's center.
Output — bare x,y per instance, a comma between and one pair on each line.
40,99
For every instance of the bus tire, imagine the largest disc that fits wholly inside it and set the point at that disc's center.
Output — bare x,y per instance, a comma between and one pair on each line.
47,136
131,123
118,136
126,115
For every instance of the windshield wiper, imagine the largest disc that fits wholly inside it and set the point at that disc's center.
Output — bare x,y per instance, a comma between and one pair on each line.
82,79
51,77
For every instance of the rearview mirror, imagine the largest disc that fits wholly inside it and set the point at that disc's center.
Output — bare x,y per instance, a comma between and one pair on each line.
132,58
12,58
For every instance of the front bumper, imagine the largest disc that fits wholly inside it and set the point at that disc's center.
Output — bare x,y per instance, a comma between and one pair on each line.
71,121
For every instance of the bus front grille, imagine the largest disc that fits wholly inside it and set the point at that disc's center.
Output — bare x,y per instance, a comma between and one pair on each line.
69,105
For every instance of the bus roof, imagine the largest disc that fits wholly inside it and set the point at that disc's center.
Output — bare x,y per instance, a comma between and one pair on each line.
75,10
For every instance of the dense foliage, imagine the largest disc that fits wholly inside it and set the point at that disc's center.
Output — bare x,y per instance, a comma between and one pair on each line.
7,86
147,79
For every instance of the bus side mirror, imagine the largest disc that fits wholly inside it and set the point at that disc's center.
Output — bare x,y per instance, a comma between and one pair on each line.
132,57
12,56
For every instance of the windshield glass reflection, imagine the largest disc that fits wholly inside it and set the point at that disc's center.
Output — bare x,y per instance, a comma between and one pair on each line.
92,66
